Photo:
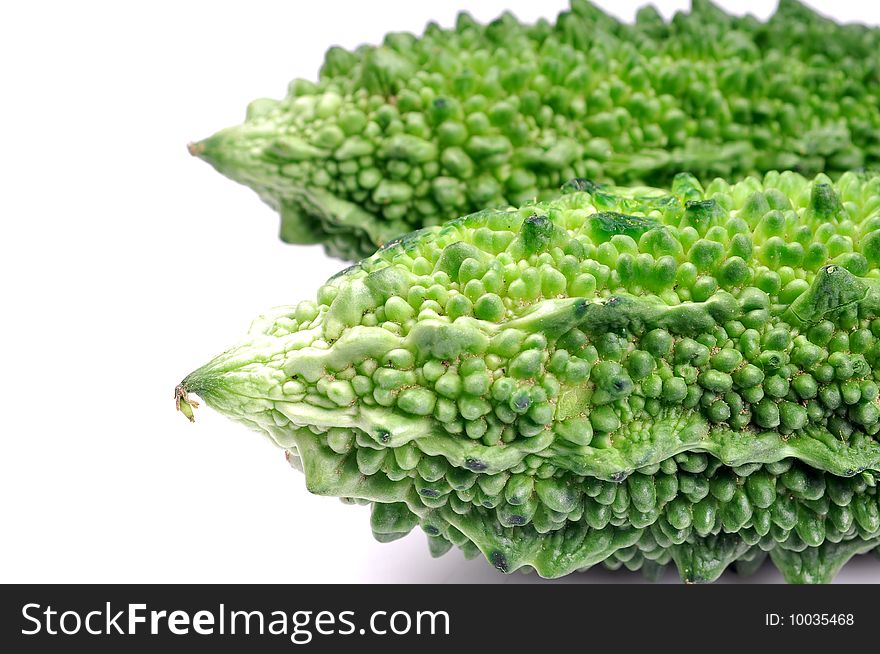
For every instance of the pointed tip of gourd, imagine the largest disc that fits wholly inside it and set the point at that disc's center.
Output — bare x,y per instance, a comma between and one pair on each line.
184,403
229,151
211,148
196,148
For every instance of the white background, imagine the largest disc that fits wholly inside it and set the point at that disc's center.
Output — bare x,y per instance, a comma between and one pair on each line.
126,263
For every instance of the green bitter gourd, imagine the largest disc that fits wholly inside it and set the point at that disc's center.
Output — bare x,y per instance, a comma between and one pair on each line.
623,376
421,130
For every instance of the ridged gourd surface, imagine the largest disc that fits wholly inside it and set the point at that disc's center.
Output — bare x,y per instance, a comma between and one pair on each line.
420,130
622,376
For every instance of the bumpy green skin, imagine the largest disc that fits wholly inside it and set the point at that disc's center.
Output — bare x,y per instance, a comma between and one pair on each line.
421,130
625,376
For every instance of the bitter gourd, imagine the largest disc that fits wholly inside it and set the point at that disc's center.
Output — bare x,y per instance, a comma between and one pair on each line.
625,376
418,131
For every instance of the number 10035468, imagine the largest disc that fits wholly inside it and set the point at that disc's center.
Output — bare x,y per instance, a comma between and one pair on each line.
809,620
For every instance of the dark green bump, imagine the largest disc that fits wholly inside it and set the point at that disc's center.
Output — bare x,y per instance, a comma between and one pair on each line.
536,232
824,202
606,224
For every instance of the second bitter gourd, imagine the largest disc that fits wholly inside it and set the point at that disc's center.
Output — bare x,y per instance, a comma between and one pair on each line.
420,130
